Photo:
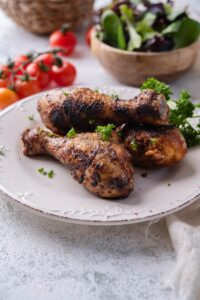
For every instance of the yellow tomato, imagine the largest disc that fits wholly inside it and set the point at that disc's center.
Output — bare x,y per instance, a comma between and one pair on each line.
7,97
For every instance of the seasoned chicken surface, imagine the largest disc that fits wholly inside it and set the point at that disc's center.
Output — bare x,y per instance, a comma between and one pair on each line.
155,146
104,168
83,109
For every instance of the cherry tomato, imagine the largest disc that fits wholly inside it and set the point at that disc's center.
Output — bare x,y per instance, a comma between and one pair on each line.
4,72
46,59
4,76
21,59
7,97
4,82
18,65
64,75
43,77
25,88
88,36
64,39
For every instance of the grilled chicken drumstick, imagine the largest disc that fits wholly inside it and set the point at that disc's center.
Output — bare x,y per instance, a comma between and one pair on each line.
154,146
82,108
104,168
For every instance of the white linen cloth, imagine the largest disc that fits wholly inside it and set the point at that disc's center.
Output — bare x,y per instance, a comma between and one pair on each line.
184,230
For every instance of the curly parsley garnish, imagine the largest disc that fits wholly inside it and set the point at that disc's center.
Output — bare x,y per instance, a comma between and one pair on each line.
159,87
105,131
71,133
184,110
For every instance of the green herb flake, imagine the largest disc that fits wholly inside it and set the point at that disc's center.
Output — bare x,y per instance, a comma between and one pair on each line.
65,93
135,39
105,131
51,134
31,118
71,133
113,29
51,174
133,145
153,141
42,171
158,86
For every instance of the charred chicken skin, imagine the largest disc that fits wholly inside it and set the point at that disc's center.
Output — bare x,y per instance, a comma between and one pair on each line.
82,108
155,146
104,168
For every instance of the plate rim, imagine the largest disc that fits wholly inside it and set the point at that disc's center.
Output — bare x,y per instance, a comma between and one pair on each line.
195,196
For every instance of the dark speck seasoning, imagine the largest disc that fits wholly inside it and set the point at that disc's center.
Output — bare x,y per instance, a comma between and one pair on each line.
144,175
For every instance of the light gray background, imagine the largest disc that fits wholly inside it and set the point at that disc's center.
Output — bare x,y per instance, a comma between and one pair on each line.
45,259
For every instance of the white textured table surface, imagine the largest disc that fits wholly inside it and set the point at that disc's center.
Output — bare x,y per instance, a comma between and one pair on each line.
45,259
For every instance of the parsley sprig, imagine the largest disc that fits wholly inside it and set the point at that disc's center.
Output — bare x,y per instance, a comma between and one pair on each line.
180,117
158,86
182,110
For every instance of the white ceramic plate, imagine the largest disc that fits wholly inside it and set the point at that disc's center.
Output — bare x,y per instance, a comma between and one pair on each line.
162,192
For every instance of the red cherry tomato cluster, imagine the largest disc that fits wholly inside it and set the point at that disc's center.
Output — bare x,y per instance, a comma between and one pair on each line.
29,74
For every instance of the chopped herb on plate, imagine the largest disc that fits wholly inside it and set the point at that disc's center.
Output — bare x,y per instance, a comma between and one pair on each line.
105,131
31,118
71,133
50,174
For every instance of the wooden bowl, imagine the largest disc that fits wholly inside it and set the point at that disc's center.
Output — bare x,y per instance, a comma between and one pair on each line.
45,16
132,68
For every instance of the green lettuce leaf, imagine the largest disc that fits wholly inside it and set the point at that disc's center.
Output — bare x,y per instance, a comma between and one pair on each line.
113,30
144,27
188,32
135,40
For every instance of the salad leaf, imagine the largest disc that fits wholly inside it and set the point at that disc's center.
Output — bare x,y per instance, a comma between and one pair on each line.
144,27
136,2
135,40
159,87
113,30
168,8
187,33
176,15
172,28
